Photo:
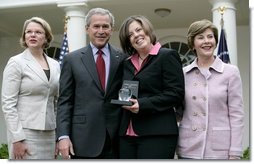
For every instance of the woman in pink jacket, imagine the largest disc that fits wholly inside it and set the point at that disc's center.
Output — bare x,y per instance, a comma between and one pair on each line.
213,117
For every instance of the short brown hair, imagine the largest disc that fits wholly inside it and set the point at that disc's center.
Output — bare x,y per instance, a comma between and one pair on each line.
99,11
199,27
124,32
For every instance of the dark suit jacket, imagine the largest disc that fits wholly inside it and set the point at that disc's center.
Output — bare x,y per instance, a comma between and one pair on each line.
84,109
161,87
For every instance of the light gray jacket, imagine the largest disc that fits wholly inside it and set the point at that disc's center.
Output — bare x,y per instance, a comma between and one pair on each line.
28,97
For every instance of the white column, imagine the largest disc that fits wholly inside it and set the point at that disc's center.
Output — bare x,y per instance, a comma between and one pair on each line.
75,11
229,18
251,5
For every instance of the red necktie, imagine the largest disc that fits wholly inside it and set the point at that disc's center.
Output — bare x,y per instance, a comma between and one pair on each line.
100,65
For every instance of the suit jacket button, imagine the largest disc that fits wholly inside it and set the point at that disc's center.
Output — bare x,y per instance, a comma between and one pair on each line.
195,113
194,128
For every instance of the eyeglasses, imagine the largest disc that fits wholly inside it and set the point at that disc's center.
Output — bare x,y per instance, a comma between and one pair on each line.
37,33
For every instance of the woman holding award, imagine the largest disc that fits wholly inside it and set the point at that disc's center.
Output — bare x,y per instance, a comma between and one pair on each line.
149,127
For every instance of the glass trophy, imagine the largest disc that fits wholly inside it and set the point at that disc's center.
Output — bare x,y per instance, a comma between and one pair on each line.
124,93
129,89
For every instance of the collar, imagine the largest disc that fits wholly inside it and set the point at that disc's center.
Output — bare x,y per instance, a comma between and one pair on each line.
154,51
105,49
217,65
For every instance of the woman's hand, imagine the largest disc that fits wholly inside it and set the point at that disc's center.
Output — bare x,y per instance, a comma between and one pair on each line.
134,108
20,150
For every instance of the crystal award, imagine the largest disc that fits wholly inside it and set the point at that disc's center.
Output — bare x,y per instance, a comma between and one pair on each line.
124,93
129,90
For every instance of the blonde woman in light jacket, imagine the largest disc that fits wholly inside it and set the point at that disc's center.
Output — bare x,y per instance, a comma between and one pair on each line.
213,118
29,95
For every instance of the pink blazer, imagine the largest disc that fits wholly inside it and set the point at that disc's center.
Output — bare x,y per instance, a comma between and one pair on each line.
213,118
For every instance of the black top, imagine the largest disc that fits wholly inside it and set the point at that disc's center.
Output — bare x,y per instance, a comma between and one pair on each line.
47,72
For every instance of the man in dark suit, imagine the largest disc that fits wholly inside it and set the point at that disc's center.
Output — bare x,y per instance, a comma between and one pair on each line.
87,123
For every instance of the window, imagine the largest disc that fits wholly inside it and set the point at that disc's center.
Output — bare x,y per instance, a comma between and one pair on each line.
53,52
186,55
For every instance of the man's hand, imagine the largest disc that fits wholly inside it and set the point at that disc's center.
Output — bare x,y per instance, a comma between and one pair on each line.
64,148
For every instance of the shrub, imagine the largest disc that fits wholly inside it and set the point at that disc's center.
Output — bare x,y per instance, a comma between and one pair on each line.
246,154
4,151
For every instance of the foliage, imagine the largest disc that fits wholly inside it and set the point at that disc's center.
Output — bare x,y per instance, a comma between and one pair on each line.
246,154
4,151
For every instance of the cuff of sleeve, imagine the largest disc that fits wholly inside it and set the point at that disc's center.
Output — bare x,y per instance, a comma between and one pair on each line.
63,137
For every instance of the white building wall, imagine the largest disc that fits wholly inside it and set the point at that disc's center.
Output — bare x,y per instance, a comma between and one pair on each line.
8,47
243,60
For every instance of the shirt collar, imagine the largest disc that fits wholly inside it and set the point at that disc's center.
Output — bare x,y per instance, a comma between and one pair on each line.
154,51
95,49
217,65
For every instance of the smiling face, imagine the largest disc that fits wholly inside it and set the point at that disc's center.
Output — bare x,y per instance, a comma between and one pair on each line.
138,38
35,35
205,43
99,30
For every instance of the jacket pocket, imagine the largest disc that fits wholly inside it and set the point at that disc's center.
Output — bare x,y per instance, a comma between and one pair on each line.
221,138
186,136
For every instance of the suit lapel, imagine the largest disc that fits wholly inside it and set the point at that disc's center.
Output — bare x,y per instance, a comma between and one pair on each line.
89,63
114,63
35,66
53,70
129,70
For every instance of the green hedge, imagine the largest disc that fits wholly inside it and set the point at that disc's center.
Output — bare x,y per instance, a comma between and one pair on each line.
4,151
246,154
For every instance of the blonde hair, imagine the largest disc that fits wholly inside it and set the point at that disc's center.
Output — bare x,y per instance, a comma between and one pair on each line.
45,26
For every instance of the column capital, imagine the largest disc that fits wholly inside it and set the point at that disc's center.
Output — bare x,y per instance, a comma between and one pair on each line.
73,8
222,1
251,4
69,3
229,4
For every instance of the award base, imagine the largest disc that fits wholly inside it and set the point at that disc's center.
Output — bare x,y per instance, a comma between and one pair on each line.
128,103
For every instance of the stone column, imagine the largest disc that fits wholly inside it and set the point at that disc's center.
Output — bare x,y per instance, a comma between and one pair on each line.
251,5
75,13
